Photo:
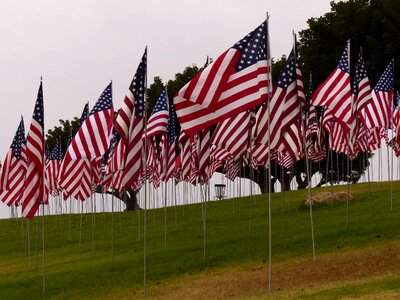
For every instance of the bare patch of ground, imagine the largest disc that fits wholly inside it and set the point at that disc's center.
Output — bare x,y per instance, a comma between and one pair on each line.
327,197
290,277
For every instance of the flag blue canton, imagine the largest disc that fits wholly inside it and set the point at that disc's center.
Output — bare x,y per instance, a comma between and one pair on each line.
39,110
288,74
385,83
105,100
253,47
161,103
70,136
85,114
55,154
344,60
137,86
19,138
361,73
309,95
116,137
171,130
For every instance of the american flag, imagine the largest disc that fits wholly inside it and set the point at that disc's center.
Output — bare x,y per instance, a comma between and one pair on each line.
233,135
335,92
285,160
90,142
34,193
203,155
378,113
53,162
168,152
337,137
129,125
93,137
374,138
283,114
115,163
220,153
157,123
236,81
232,169
12,176
361,89
75,174
185,156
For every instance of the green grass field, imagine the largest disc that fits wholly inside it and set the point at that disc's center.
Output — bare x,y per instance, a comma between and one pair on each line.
237,237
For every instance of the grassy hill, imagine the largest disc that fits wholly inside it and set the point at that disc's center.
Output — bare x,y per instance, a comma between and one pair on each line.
360,259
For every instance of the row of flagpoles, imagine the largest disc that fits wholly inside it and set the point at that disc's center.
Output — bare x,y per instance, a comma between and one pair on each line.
251,124
229,115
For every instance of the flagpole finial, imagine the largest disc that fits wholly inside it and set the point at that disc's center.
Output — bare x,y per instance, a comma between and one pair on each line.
267,16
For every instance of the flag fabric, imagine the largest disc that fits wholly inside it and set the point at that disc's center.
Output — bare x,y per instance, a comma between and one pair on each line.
90,142
335,92
12,175
168,148
185,156
220,153
374,138
233,135
53,162
114,164
74,175
361,89
237,81
203,155
337,137
232,169
157,123
34,193
282,118
378,113
93,137
129,125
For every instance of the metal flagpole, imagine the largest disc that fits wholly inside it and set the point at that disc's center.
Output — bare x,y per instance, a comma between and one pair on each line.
92,205
69,218
37,242
145,187
283,195
43,254
29,243
80,226
310,201
348,156
269,174
391,175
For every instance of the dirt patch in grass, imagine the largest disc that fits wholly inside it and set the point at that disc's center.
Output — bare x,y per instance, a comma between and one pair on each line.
327,197
294,276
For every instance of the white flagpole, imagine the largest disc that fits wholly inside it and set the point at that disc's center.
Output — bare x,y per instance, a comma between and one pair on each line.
348,156
43,254
269,174
391,175
310,201
145,187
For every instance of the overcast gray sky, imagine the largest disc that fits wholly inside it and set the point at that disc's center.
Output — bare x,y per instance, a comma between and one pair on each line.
78,46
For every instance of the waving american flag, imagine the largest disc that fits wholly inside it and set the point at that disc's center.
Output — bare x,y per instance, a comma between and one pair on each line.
236,81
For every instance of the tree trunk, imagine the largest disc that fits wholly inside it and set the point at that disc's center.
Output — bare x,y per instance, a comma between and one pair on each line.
130,200
302,184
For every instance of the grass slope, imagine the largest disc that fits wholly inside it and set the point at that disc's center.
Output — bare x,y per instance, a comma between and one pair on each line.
237,240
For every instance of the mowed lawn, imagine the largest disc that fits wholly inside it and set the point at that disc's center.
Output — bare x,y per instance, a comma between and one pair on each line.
361,259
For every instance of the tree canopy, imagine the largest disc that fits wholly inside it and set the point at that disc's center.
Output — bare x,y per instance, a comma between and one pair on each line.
373,25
